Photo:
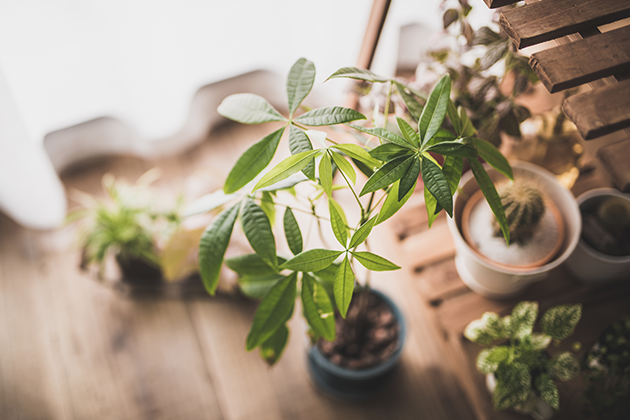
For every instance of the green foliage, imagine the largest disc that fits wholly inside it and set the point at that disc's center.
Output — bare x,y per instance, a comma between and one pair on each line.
518,358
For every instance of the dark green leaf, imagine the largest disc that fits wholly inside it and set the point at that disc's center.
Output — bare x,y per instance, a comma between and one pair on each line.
454,148
318,310
299,83
564,366
292,232
258,232
357,74
384,134
257,286
467,128
212,246
440,136
454,117
387,174
494,53
388,151
268,206
490,192
485,36
437,185
251,264
435,109
337,222
450,16
547,390
271,350
344,166
344,286
274,310
299,142
452,170
374,262
411,136
560,321
513,386
362,233
414,107
286,168
409,179
325,174
329,116
254,160
392,204
248,108
357,153
311,260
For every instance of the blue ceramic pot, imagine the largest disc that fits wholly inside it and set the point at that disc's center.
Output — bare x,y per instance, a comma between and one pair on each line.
352,384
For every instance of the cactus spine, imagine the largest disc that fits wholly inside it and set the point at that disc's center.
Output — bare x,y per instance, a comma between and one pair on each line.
524,207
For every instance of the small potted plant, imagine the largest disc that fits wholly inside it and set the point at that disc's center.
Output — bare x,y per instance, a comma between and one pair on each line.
520,373
357,333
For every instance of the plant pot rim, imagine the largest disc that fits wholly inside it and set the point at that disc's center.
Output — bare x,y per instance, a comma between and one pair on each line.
358,374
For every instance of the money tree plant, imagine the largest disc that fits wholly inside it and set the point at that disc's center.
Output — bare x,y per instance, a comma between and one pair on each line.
518,358
392,158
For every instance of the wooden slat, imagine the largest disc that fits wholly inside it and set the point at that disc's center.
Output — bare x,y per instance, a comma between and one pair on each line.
615,159
493,4
571,65
600,111
428,247
439,281
550,19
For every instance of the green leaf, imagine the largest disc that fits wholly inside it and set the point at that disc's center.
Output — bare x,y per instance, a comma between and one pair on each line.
292,232
392,204
494,53
337,222
388,151
299,142
432,207
547,390
454,117
208,202
311,260
384,134
325,174
489,359
358,153
437,185
409,179
329,116
271,350
560,321
318,136
212,246
344,166
374,262
268,206
248,108
450,16
344,286
257,286
251,264
387,174
299,83
274,310
258,232
467,127
254,160
435,109
362,233
286,168
318,310
540,341
485,36
414,107
490,192
564,366
491,154
454,148
485,330
513,386
452,170
408,133
357,74
522,319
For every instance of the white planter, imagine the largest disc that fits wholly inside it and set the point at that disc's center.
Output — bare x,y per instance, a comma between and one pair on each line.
543,411
500,282
587,264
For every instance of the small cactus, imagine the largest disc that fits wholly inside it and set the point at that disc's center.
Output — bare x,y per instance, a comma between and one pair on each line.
614,214
524,207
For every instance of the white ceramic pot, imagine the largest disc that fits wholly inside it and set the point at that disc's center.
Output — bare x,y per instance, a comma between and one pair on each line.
591,266
500,282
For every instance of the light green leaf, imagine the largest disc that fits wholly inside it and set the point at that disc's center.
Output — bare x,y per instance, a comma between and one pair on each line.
409,179
268,206
388,151
251,264
489,359
540,341
337,222
454,148
299,142
362,233
392,204
248,108
513,386
299,83
258,232
318,136
325,174
435,109
432,207
357,74
318,310
344,166
208,202
452,170
329,116
311,260
522,319
387,174
414,107
254,160
490,192
485,330
344,286
257,286
286,168
374,262
384,134
491,154
292,232
437,185
358,153
560,321
564,366
212,246
547,390
271,350
408,133
274,310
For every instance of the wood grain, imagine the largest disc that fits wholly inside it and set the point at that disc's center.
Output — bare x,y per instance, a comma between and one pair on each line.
549,19
493,4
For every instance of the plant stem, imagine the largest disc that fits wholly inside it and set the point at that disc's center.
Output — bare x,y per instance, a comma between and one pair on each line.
387,101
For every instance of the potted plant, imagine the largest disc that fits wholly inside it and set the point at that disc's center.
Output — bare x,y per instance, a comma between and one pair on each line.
607,379
520,373
603,252
357,334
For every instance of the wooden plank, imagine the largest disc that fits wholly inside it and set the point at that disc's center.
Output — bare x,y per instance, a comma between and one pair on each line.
438,282
549,19
430,246
493,4
600,111
615,159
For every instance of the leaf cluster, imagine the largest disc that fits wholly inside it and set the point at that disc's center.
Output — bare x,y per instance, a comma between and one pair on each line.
517,356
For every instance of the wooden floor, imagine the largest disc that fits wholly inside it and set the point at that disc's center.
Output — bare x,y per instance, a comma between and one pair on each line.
71,348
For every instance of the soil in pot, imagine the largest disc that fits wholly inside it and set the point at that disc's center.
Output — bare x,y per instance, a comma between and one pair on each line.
363,341
606,228
135,270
